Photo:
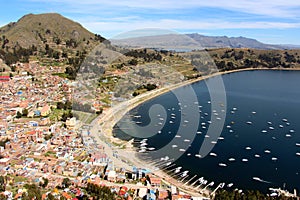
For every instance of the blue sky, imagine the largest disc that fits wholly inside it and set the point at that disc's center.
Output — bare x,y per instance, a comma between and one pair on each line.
274,21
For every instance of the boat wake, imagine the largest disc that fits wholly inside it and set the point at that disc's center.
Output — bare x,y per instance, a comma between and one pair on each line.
260,180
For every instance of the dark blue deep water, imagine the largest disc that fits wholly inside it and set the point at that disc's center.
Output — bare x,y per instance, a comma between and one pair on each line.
268,100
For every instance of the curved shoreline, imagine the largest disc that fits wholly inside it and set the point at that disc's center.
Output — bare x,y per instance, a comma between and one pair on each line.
113,115
110,117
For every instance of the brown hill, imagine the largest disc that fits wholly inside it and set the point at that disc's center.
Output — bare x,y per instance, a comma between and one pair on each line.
50,28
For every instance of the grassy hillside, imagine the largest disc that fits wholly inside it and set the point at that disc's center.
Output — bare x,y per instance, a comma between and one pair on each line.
48,38
51,28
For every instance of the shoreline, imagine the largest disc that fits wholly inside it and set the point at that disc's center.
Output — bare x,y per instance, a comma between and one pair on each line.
110,117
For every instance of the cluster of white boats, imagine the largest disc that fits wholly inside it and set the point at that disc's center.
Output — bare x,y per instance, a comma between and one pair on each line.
166,163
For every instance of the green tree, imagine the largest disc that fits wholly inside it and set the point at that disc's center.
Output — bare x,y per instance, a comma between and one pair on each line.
33,192
2,183
19,115
66,183
25,112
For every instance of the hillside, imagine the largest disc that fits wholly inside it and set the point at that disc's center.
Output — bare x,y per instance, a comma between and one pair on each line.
51,28
48,38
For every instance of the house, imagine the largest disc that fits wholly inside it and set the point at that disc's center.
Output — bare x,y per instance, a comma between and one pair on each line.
4,78
111,176
4,161
46,110
70,123
155,181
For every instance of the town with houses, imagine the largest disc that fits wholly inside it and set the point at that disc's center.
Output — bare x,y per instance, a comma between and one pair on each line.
58,155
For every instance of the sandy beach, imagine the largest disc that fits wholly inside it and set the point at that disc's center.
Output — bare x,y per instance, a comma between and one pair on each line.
102,128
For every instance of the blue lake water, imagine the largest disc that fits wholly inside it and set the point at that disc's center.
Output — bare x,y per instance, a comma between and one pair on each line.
261,133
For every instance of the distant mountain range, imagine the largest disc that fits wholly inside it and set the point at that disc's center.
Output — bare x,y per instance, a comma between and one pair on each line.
232,42
196,41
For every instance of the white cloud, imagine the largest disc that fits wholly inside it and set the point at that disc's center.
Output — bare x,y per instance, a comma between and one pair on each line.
273,8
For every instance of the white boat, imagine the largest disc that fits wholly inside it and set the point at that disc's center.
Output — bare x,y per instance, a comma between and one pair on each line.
174,146
198,155
159,132
151,148
229,185
232,112
298,154
248,148
231,159
207,136
218,118
280,126
284,120
213,142
171,122
257,156
248,122
264,131
222,165
228,126
138,122
234,109
253,112
231,131
159,123
203,124
185,121
203,127
209,102
181,150
161,119
288,135
298,144
244,160
173,117
199,132
267,151
142,150
186,140
173,114
209,122
189,154
269,123
137,116
271,128
178,136
213,154
292,131
220,138
287,123
274,158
